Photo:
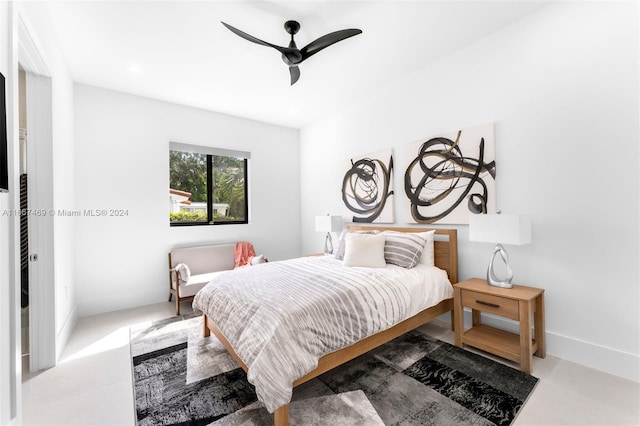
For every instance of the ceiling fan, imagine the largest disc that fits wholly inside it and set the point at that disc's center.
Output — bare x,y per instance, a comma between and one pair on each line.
291,55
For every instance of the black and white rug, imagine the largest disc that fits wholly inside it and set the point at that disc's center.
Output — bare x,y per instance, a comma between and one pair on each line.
181,378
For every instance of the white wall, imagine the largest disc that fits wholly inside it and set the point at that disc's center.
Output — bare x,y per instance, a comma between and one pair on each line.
122,162
561,86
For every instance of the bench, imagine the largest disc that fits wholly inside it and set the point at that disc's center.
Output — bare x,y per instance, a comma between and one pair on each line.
204,263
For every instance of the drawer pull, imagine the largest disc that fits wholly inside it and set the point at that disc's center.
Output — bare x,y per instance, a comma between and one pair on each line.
493,305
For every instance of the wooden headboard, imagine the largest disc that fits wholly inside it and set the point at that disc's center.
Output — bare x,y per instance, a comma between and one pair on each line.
445,245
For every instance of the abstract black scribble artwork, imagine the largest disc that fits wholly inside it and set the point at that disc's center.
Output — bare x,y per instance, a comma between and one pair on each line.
366,188
452,176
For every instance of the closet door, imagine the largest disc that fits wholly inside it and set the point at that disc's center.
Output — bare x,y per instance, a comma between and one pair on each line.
42,330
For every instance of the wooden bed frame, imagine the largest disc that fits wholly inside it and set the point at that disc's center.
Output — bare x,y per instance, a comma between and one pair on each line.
446,257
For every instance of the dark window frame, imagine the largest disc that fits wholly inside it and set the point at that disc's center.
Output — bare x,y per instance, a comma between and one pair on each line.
210,193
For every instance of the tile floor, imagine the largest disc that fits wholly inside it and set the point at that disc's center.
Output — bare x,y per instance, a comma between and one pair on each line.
92,383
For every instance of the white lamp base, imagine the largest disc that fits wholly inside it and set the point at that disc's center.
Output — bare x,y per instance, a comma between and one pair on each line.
492,278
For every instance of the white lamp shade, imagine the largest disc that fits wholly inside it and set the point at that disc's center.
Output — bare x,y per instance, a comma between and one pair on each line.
328,223
500,228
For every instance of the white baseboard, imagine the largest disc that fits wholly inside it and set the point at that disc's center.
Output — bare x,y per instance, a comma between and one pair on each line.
609,360
65,332
602,358
118,302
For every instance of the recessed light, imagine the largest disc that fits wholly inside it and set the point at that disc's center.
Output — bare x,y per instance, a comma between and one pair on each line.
135,69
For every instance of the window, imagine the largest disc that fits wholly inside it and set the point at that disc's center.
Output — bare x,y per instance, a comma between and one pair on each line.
207,186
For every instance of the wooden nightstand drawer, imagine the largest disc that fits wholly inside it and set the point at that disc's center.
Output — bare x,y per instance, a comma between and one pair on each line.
489,303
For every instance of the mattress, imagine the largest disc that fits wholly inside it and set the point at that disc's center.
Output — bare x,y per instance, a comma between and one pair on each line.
282,317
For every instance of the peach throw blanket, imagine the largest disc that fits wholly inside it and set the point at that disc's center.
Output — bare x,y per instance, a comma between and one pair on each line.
244,252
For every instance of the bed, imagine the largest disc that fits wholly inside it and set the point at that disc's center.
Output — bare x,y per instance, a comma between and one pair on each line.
249,313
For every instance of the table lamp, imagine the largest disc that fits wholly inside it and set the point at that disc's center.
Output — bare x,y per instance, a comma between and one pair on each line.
500,229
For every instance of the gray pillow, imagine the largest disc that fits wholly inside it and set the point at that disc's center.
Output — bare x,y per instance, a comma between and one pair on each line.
403,248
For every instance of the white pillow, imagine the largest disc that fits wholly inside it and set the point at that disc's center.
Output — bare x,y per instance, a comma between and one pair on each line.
184,273
256,260
427,257
339,251
364,250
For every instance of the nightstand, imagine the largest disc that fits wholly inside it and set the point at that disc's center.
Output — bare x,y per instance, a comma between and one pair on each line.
518,303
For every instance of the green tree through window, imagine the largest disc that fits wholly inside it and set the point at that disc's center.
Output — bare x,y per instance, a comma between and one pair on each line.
205,188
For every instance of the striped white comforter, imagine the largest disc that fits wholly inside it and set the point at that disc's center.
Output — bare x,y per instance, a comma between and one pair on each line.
281,317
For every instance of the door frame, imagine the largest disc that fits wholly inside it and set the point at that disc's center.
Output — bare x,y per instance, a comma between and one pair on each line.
42,324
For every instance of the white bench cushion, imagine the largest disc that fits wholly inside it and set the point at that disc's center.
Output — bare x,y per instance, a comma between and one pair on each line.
196,282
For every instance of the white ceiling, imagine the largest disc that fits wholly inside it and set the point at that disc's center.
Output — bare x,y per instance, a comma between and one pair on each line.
178,51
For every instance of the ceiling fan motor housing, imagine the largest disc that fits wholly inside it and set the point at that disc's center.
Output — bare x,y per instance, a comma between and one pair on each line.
292,27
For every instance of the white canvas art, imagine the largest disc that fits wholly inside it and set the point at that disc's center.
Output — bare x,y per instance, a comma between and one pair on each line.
367,188
451,176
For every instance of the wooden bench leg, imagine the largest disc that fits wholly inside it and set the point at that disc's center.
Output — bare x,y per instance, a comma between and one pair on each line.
170,296
205,329
177,305
281,416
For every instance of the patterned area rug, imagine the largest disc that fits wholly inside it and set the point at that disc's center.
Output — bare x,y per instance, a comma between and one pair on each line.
181,378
